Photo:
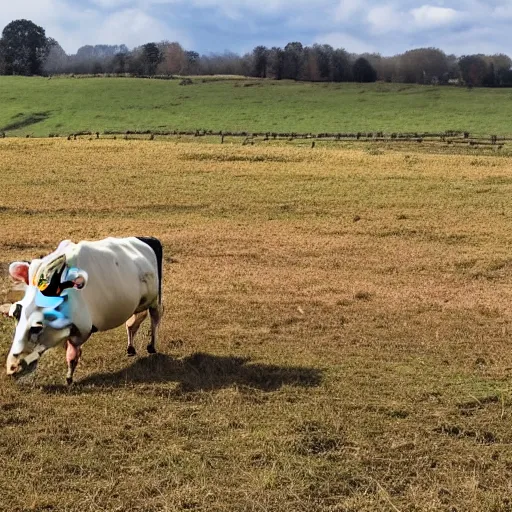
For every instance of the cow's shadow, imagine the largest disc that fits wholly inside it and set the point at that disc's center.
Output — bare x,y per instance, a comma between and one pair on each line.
199,372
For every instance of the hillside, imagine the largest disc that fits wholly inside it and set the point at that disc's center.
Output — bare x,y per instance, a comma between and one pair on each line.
40,106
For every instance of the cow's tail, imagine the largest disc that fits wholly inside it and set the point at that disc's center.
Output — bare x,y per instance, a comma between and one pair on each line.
156,245
159,251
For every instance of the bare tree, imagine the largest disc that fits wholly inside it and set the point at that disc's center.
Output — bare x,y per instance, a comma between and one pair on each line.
227,63
57,60
311,71
174,60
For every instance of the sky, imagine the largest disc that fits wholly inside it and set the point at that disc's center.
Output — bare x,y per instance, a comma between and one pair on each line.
215,26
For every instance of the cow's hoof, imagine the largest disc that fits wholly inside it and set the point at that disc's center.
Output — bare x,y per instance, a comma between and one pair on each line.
69,381
131,351
151,349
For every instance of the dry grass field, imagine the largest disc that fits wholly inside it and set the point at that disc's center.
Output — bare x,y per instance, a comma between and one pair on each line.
337,334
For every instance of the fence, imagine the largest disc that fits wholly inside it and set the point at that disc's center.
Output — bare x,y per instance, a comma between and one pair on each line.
446,138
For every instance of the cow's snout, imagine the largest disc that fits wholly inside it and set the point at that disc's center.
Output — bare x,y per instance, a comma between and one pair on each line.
13,371
13,364
17,366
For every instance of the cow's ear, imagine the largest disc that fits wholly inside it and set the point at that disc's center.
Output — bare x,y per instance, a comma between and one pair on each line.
19,271
78,277
62,245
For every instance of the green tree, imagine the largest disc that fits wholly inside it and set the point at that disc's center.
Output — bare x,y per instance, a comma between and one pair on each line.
25,48
473,69
501,65
151,57
341,70
423,65
363,71
260,56
192,61
293,61
2,58
490,78
276,63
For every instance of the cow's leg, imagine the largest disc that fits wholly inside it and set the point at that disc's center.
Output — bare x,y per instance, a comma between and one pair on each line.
155,314
72,357
132,326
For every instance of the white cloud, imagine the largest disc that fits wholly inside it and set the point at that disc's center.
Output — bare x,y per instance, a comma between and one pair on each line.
349,43
74,26
113,4
40,12
477,40
503,12
346,9
390,18
432,16
263,6
389,26
386,19
60,19
133,27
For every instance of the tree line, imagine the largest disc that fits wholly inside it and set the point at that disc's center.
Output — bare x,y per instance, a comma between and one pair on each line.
26,50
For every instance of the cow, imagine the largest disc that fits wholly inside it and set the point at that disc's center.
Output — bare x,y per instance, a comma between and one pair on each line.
82,288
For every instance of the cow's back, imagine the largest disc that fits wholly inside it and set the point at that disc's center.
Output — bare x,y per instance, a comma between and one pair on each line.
122,278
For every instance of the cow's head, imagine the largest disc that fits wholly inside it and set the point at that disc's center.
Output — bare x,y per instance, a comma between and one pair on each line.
42,321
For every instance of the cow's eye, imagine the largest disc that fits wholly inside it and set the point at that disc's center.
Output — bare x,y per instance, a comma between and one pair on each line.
15,311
